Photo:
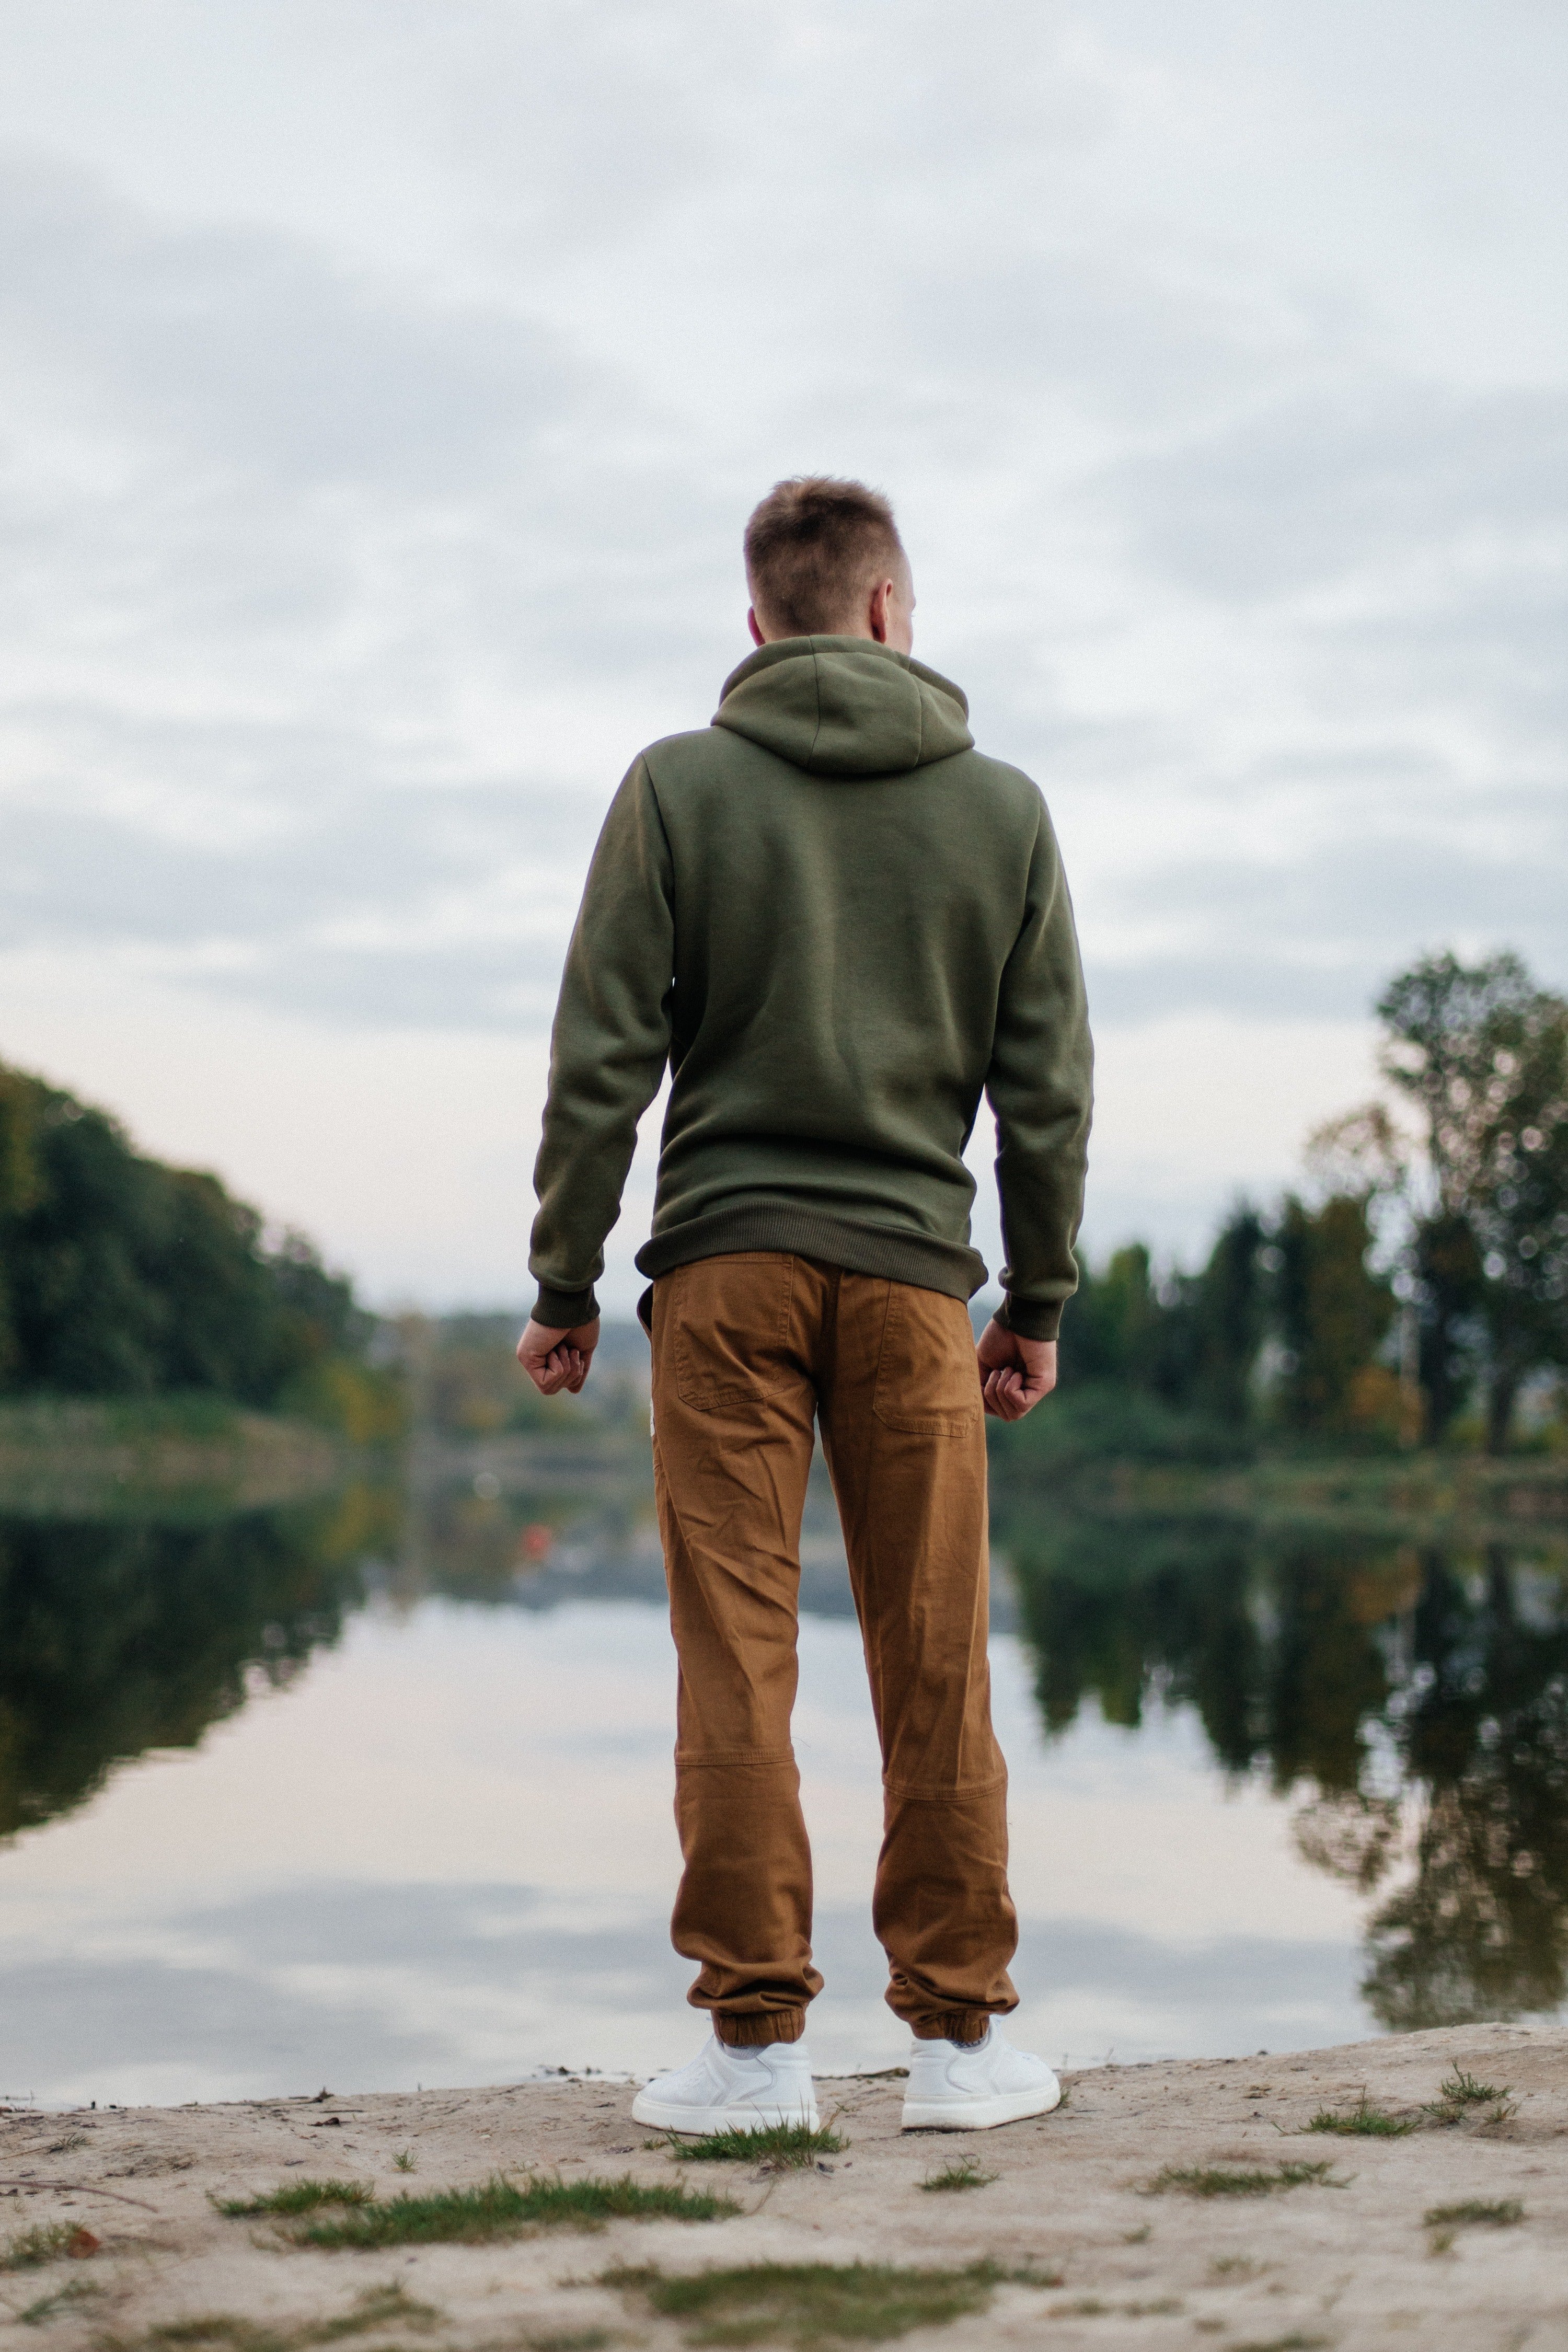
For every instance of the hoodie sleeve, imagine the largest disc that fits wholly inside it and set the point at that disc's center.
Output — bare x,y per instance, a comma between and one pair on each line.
1040,1087
607,1050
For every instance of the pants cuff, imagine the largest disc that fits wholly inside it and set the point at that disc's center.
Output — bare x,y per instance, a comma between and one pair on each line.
750,2032
966,2025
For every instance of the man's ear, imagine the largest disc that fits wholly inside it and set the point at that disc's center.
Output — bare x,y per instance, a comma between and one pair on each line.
876,614
757,636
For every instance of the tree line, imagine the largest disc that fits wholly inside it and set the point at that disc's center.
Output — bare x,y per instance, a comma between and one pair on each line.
1426,1280
120,1276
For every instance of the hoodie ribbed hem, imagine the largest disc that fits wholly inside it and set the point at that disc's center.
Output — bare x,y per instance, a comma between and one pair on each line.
914,1258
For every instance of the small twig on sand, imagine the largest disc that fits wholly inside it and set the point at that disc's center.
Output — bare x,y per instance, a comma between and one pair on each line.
82,2188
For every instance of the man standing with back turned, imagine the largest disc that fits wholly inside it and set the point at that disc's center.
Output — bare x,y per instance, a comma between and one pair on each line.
839,925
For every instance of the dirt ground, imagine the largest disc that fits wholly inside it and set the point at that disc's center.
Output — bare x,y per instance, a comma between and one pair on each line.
1342,2265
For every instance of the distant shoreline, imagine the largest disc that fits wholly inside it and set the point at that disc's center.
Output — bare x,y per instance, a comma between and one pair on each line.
86,1458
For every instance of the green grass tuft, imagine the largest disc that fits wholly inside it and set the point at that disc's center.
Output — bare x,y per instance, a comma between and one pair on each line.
218,2328
1294,2342
298,2197
405,2160
500,2208
49,2306
965,2173
1476,2212
377,2307
808,2304
1459,2091
1089,2306
1363,2121
782,2146
1252,2181
31,2249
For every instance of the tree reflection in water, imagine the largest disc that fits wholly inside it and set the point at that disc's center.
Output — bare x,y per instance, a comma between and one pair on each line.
1415,1702
1411,1704
120,1636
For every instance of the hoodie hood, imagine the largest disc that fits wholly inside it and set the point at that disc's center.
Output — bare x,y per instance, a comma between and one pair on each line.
845,706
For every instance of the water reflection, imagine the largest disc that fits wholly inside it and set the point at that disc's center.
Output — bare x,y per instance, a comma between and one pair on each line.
119,1636
1408,1703
1412,1700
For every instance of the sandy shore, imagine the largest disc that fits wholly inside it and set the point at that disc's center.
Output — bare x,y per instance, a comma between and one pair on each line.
1313,2264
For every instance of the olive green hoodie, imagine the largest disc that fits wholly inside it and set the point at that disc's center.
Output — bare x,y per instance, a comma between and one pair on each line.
838,924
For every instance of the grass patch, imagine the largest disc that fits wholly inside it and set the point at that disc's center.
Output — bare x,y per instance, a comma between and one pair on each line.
1249,2180
1462,2090
298,2197
967,2173
223,2331
782,2146
1446,2221
1089,2306
500,2208
1459,2093
405,2160
49,2243
49,2306
1363,2121
1477,2213
808,2304
1294,2342
378,2306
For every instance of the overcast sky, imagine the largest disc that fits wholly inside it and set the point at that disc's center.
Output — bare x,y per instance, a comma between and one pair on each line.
383,386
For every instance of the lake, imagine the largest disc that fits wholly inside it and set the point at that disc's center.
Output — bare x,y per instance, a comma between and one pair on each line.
374,1791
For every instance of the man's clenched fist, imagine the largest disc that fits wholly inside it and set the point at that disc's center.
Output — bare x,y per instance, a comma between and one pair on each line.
1014,1373
555,1360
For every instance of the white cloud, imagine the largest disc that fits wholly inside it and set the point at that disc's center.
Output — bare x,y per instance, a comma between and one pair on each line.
383,392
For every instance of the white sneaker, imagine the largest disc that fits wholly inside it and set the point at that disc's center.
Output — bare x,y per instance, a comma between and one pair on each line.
973,2086
732,2090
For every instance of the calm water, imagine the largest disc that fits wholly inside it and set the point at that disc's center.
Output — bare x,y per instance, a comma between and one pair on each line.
377,1792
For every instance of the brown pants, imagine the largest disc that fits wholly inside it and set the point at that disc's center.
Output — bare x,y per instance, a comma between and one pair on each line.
747,1350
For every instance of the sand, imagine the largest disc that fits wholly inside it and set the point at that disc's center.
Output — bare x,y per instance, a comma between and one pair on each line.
1315,2266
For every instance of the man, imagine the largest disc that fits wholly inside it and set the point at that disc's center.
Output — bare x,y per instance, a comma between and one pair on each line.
839,925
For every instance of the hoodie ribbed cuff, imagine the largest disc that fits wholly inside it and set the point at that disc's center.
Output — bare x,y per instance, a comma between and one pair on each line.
1031,1320
563,1310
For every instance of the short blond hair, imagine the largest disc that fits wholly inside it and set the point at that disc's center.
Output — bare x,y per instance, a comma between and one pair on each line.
814,547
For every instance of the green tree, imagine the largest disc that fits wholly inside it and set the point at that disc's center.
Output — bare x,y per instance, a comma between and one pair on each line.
120,1276
1483,1053
1229,1305
1192,1342
1333,1316
19,1185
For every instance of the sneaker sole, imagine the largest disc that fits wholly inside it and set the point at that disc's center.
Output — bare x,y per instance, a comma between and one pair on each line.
978,2114
665,2116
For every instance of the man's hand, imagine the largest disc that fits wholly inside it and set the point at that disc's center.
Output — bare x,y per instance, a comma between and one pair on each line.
555,1360
1014,1373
